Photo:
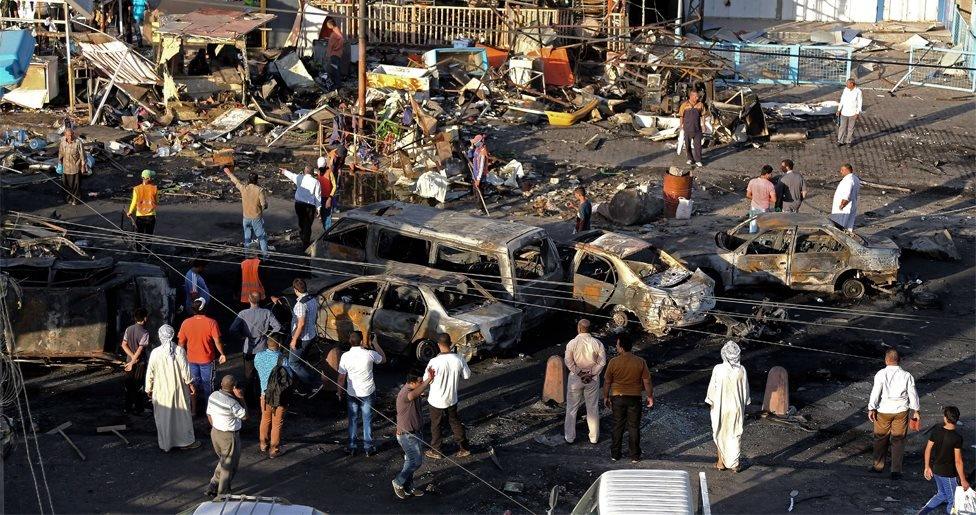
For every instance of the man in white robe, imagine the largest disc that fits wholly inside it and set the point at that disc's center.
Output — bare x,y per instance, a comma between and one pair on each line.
169,385
843,211
728,395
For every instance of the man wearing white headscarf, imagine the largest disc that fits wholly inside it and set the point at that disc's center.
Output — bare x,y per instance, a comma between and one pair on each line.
169,385
728,395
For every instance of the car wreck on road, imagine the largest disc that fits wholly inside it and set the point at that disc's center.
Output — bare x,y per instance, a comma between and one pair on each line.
405,312
800,251
631,280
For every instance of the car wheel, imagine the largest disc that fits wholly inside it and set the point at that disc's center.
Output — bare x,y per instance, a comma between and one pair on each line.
853,288
426,350
619,319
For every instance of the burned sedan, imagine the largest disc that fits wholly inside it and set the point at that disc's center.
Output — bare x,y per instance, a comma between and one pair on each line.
801,251
630,279
406,311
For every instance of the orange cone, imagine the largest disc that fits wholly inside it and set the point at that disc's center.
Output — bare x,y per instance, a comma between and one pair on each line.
777,398
554,387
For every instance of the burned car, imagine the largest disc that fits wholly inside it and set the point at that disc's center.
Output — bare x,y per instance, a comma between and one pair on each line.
801,251
405,312
630,279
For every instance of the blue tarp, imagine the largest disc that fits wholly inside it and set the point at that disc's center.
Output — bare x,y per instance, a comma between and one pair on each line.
16,50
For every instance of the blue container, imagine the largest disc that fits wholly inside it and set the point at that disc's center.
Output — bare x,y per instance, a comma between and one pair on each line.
16,50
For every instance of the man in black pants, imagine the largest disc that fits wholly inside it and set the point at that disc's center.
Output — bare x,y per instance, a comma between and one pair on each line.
135,344
626,377
308,201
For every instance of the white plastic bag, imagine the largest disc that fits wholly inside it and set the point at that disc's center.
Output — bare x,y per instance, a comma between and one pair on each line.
964,502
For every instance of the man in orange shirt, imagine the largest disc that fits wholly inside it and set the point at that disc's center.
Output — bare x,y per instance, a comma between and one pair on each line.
333,50
143,206
200,336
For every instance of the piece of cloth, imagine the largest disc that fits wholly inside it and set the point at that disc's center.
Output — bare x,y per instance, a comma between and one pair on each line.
583,215
437,419
763,193
227,445
449,369
145,224
943,454
195,287
576,392
72,183
625,374
413,458
133,381
136,336
357,365
307,307
254,229
626,416
144,200
731,353
890,430
845,129
408,419
264,363
225,411
253,325
167,383
307,188
728,396
204,376
789,192
945,493
269,431
851,101
251,279
585,354
72,156
326,184
849,188
360,407
253,198
306,217
893,391
693,145
197,335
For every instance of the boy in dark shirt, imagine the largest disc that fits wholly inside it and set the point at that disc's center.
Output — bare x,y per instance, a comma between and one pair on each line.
409,428
943,461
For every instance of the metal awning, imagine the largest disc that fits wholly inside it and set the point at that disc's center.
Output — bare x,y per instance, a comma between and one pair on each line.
109,54
213,24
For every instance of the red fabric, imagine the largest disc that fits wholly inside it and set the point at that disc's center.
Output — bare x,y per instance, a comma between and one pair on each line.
251,279
197,335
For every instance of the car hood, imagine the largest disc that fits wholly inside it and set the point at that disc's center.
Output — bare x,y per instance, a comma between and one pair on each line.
498,322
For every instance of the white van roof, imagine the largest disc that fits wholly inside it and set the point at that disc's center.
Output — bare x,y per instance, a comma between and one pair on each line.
645,492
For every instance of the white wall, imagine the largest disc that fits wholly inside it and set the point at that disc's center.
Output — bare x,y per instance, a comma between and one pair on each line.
740,9
824,10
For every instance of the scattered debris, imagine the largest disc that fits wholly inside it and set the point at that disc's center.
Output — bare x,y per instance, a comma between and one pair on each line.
936,245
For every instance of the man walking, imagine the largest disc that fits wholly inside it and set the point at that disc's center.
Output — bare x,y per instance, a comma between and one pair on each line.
409,428
849,111
943,461
200,336
252,326
356,380
728,396
691,113
762,194
446,369
194,285
135,344
626,377
843,211
308,201
585,358
791,188
273,403
225,412
333,50
584,210
143,205
71,156
303,335
893,401
170,386
253,203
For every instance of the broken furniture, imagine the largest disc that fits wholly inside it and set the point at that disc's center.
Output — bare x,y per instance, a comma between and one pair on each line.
60,430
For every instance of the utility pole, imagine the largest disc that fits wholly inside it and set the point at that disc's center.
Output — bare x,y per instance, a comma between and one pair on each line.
362,62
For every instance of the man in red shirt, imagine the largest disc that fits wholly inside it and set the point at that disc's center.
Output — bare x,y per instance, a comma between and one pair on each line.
333,49
200,337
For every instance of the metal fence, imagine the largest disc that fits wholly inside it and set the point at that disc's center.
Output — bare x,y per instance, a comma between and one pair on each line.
786,64
949,72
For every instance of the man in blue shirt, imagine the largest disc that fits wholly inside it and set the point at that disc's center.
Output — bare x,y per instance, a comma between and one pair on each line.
194,285
272,418
252,326
584,212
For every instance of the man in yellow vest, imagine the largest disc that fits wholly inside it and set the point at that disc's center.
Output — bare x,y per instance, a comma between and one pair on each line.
145,198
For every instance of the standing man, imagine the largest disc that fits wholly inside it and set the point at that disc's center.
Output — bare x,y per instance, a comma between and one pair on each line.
273,404
843,211
194,285
446,370
626,377
200,336
143,205
762,194
356,379
791,188
893,401
692,112
252,326
849,111
585,358
254,202
308,201
225,412
584,210
71,156
170,386
409,431
135,344
728,396
251,277
333,50
943,461
478,160
303,335
328,186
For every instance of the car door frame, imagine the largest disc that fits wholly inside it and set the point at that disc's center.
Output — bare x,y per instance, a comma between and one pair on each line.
347,263
781,262
336,334
607,288
418,326
841,262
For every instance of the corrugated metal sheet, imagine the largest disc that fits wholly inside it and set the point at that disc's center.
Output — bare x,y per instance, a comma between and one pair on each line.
108,54
213,23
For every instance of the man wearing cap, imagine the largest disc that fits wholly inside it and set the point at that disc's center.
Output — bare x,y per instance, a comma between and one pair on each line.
143,206
478,157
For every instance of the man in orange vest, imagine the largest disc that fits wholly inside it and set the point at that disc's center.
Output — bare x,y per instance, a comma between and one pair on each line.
143,206
251,278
